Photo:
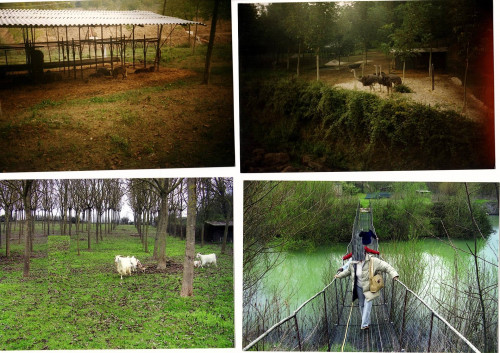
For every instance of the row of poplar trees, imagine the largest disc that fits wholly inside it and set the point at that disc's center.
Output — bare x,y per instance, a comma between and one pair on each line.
100,201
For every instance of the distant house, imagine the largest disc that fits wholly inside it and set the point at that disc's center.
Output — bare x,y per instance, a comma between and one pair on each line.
378,195
214,231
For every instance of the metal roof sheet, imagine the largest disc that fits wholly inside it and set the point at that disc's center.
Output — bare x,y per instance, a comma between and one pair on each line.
75,18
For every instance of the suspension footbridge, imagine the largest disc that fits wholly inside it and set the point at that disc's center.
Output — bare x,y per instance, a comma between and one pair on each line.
401,321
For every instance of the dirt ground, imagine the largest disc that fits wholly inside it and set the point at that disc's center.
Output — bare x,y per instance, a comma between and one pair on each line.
165,119
447,93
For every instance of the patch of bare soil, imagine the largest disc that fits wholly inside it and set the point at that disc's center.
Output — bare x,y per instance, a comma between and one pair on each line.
172,267
165,119
447,93
22,96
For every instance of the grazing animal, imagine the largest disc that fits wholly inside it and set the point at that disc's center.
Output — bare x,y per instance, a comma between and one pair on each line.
103,71
367,80
197,263
207,259
144,70
123,265
120,70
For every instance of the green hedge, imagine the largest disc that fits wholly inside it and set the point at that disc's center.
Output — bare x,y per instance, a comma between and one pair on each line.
356,130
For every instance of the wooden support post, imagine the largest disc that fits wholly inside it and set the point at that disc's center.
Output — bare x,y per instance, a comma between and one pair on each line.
297,332
337,303
95,52
48,47
74,58
67,52
404,319
144,49
326,322
87,37
122,57
430,333
102,46
158,49
133,46
111,50
80,52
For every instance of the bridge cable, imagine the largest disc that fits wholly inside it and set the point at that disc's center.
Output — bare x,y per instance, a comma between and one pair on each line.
347,327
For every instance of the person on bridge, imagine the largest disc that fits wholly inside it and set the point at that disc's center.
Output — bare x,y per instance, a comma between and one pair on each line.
360,276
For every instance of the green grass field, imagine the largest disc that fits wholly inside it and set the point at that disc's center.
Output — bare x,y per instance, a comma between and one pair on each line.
79,302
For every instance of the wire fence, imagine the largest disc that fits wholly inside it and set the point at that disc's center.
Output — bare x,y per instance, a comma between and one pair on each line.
309,327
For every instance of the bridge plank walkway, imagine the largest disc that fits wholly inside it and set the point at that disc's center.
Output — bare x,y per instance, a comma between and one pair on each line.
380,337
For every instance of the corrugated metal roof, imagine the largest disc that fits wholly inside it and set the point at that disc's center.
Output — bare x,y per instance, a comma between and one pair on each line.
75,18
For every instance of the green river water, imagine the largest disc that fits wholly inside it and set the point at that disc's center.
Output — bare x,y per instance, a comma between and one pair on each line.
302,274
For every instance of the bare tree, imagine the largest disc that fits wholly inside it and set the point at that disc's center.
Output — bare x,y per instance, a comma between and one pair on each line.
187,279
8,196
208,61
223,198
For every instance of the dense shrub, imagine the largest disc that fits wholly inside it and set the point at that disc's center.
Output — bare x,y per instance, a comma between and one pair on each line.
358,129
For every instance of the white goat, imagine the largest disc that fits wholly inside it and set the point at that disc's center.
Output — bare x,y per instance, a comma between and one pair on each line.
197,263
207,259
133,262
123,265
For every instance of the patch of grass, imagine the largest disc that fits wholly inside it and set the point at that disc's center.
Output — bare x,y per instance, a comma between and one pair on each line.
120,143
79,302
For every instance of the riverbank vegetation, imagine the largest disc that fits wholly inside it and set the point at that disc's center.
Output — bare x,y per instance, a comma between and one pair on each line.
340,129
435,234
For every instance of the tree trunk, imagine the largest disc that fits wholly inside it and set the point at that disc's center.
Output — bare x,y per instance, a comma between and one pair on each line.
146,234
27,240
161,232
298,62
203,233
88,228
317,64
188,275
206,77
76,231
8,212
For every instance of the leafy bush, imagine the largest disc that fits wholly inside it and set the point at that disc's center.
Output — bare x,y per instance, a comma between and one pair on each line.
402,89
360,130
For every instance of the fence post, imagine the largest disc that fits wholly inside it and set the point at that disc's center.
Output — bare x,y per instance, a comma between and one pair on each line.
337,303
326,320
430,333
392,301
404,319
298,333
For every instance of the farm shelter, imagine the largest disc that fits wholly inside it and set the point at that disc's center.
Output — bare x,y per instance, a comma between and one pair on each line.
83,38
214,231
420,59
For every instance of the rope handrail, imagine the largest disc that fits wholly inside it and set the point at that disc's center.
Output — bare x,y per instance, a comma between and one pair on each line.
255,341
440,318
